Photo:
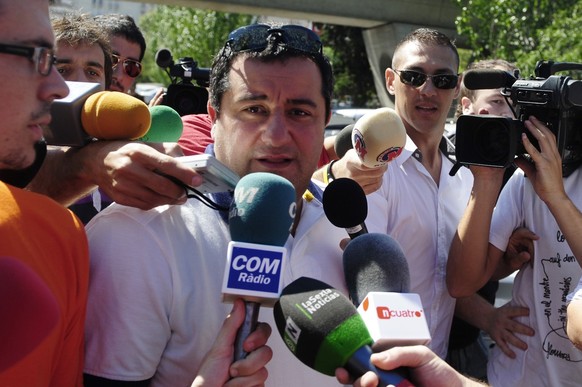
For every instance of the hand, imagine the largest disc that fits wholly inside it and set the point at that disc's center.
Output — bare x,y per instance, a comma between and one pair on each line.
350,166
520,248
502,328
158,98
545,170
425,368
129,173
217,370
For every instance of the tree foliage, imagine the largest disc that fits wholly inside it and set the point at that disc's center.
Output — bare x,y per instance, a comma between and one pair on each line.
522,31
353,76
186,32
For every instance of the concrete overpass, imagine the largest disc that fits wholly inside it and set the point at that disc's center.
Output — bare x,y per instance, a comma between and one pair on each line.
384,22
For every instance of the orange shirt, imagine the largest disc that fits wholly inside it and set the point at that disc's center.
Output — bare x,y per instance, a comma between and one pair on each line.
51,240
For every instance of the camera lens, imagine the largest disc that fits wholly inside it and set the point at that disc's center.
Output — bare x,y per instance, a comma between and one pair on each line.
492,141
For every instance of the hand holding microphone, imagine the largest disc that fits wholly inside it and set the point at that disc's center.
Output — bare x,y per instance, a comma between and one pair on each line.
260,218
322,328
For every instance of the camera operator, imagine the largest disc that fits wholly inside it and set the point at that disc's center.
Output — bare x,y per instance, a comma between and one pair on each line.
539,198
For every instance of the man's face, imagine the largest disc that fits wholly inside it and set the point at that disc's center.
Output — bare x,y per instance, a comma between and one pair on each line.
272,119
126,50
423,109
26,95
82,63
488,101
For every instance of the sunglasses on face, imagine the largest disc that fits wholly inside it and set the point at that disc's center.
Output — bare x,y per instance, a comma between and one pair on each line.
131,67
256,37
417,79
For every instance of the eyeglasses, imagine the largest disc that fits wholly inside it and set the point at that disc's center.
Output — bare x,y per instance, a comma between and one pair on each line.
131,67
42,57
417,79
256,37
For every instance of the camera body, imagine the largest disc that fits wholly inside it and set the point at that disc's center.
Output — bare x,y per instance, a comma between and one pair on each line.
495,141
183,95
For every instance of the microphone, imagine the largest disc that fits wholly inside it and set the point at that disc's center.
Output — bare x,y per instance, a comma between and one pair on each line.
88,113
345,205
322,328
260,218
378,281
343,141
378,137
487,79
166,125
30,311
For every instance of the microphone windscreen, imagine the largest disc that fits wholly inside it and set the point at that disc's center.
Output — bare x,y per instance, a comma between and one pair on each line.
378,137
319,325
263,209
345,203
479,79
112,115
29,311
375,262
343,141
166,125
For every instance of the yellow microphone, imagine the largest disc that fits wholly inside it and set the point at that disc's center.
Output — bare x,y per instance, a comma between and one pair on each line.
378,137
112,115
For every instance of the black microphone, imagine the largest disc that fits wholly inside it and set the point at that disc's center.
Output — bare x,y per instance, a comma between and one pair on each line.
322,328
478,79
378,281
343,141
346,206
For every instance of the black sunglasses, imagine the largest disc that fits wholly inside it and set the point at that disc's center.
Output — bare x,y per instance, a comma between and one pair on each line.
130,66
42,57
417,79
256,37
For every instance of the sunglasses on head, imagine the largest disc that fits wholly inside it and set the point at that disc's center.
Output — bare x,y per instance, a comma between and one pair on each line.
131,67
256,37
417,79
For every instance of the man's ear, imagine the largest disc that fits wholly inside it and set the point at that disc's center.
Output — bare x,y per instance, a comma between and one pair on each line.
390,75
467,105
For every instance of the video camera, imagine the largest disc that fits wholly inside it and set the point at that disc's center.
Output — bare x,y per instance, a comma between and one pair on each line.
182,95
555,100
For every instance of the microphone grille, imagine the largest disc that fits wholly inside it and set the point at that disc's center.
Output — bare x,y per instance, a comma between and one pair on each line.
345,203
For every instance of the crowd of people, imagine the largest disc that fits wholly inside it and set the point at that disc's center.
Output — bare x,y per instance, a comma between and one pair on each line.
135,266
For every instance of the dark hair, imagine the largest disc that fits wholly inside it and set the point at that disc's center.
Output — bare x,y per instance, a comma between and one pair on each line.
75,29
500,64
275,51
429,37
123,26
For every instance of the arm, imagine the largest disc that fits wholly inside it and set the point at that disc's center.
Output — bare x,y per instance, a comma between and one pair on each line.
520,250
123,170
217,369
574,322
499,323
545,175
472,259
425,367
350,166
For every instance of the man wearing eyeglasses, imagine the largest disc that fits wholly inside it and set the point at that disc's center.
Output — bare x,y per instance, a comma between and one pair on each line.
35,230
418,203
155,298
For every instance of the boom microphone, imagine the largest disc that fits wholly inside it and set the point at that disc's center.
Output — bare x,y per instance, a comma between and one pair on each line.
378,281
260,218
323,330
29,311
345,205
478,79
378,137
87,113
166,125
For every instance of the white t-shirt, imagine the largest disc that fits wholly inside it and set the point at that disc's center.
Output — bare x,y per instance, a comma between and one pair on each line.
423,217
155,293
551,359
